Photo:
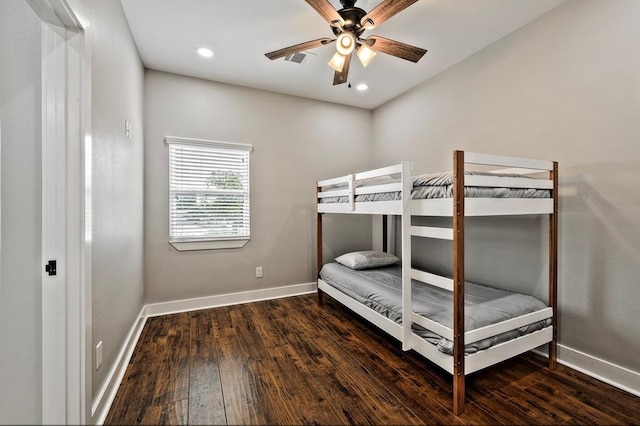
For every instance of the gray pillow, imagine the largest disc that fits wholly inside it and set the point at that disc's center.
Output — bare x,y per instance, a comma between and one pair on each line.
366,259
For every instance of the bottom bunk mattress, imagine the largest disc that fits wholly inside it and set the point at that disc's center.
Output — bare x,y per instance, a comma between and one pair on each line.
381,290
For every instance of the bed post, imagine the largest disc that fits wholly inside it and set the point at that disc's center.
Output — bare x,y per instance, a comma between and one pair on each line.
318,242
553,269
406,256
458,283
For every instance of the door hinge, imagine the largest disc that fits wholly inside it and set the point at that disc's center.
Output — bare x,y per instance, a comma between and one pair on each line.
50,267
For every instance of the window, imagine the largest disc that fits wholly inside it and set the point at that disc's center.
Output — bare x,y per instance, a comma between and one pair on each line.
208,194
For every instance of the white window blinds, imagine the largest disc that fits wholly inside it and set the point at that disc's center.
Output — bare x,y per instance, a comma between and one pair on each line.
208,190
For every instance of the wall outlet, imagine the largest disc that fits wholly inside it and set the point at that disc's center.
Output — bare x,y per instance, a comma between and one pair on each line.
98,355
259,272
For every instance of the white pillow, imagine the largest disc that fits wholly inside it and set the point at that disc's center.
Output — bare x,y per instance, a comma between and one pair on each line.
366,259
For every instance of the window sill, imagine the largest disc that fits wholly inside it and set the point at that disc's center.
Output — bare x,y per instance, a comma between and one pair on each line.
208,245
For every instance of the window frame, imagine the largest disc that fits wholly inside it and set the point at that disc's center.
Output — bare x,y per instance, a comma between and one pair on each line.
185,244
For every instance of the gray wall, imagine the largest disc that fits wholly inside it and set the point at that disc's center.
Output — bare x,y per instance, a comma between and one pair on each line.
566,88
117,185
20,297
296,142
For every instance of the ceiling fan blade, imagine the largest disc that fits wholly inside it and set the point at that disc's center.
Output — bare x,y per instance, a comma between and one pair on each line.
281,53
395,48
327,11
384,11
342,77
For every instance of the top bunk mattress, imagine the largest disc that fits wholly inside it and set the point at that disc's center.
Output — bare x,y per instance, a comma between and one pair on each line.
380,289
440,185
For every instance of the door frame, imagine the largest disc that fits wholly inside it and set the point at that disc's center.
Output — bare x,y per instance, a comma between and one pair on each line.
66,235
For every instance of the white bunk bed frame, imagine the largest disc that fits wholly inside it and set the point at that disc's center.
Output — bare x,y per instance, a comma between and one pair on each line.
458,207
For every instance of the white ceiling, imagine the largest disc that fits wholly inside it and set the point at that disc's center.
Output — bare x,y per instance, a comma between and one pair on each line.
242,31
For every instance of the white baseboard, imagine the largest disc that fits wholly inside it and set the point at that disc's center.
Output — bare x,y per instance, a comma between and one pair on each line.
186,305
605,371
106,395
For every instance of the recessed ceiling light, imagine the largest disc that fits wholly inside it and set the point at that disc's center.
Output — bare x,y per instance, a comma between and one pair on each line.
362,87
205,52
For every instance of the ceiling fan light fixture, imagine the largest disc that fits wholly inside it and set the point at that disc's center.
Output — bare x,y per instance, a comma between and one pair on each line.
365,54
337,61
345,43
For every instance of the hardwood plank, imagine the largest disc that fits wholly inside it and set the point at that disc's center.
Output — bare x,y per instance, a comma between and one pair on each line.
518,373
570,406
170,414
242,404
172,372
520,409
206,403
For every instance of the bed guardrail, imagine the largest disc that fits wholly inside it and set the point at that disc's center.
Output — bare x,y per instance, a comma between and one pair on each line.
356,184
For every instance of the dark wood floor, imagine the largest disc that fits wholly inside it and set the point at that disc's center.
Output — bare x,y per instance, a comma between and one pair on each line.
289,361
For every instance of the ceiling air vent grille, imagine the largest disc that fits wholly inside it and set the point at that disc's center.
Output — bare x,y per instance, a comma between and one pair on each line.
302,58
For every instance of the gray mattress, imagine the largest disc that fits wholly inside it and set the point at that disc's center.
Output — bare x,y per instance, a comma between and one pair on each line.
440,185
380,290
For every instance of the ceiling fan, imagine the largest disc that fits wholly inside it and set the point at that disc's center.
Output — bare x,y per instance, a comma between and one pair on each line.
348,24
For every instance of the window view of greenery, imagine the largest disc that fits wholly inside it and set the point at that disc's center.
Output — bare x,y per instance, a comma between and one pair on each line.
210,196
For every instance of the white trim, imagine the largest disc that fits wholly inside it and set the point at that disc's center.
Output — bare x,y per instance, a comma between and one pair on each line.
56,12
110,387
186,305
76,315
53,288
66,124
168,140
209,245
605,371
87,159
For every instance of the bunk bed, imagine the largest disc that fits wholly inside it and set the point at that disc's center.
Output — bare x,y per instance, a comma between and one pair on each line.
519,187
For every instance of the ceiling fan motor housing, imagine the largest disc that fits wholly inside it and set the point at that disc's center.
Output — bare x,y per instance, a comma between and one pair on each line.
351,17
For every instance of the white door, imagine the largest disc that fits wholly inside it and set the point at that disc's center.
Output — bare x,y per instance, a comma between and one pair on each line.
64,292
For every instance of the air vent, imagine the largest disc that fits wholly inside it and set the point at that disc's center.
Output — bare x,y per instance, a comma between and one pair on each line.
302,58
